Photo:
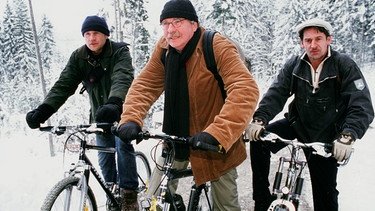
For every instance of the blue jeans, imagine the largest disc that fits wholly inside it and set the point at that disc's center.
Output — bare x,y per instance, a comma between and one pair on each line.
126,172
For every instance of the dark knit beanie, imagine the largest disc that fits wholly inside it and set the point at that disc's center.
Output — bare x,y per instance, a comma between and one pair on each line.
95,23
179,9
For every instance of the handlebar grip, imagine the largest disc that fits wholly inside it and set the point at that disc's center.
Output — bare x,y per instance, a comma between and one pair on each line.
208,147
114,130
46,128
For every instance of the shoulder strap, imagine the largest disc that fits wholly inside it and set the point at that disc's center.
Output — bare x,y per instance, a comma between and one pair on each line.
209,57
163,55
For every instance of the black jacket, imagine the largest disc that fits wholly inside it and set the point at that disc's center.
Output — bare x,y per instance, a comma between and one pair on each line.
342,102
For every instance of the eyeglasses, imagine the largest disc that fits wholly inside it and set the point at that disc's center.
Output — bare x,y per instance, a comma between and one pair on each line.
175,23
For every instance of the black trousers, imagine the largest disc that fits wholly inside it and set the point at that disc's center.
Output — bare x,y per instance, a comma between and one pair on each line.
323,171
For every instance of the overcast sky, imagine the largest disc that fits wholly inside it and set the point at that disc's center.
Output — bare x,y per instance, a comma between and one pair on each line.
67,16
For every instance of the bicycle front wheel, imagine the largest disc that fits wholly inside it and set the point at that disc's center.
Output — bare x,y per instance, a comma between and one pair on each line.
66,195
143,169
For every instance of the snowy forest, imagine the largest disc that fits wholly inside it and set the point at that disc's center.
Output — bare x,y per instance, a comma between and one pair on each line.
30,61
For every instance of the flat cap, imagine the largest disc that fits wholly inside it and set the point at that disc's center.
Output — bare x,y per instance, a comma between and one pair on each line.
315,22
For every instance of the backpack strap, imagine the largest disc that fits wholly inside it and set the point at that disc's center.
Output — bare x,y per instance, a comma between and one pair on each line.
163,55
209,57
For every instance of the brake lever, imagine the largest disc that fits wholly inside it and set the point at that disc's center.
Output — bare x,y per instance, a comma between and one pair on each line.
321,150
267,136
94,128
346,161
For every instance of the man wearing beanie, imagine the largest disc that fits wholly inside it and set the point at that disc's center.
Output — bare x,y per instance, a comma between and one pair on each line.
194,105
105,69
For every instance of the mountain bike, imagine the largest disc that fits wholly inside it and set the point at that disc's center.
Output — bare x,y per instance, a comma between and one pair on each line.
73,192
287,197
200,196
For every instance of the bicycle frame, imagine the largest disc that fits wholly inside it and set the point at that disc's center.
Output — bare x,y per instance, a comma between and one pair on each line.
170,174
82,168
87,166
76,180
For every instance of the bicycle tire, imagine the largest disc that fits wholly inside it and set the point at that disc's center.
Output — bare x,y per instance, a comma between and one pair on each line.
57,197
143,169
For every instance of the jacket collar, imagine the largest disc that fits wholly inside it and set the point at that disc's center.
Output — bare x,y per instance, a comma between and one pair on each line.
328,71
83,51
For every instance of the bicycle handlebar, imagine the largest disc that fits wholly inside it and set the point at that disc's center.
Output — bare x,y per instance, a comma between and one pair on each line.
184,140
87,128
320,148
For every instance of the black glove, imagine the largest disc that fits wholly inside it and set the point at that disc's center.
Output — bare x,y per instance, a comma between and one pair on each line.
109,112
128,131
39,115
202,138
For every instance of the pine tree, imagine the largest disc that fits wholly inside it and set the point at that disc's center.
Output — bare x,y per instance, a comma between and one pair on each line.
260,38
8,46
47,42
366,10
137,16
286,42
24,73
370,31
223,16
25,57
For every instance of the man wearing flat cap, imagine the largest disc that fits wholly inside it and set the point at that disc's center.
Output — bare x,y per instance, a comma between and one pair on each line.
105,69
194,105
331,104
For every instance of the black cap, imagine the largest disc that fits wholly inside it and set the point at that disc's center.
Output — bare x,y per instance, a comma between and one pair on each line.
95,23
179,9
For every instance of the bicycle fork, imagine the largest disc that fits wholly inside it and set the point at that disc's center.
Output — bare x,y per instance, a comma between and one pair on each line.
194,197
292,190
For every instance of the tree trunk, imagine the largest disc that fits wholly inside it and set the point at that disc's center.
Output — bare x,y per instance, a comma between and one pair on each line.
41,73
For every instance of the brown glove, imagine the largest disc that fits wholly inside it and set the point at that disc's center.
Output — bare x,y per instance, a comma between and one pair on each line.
342,147
255,129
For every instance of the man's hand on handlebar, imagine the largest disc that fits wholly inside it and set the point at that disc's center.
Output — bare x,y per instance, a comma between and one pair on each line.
39,115
128,131
342,147
255,129
205,141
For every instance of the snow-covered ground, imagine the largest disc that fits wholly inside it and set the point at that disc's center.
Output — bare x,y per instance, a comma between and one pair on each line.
28,171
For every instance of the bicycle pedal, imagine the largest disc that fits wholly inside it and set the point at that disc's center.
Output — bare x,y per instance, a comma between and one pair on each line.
145,202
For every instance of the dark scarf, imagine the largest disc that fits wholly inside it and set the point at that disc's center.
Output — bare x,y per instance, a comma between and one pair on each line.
176,106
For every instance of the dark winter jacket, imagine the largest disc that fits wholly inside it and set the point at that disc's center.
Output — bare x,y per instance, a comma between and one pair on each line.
208,112
117,77
341,103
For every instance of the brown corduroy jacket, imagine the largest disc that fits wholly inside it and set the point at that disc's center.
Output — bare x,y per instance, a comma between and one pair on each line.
225,120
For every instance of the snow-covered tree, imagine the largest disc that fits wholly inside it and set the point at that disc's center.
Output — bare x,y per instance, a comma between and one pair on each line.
286,41
47,42
136,16
8,46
